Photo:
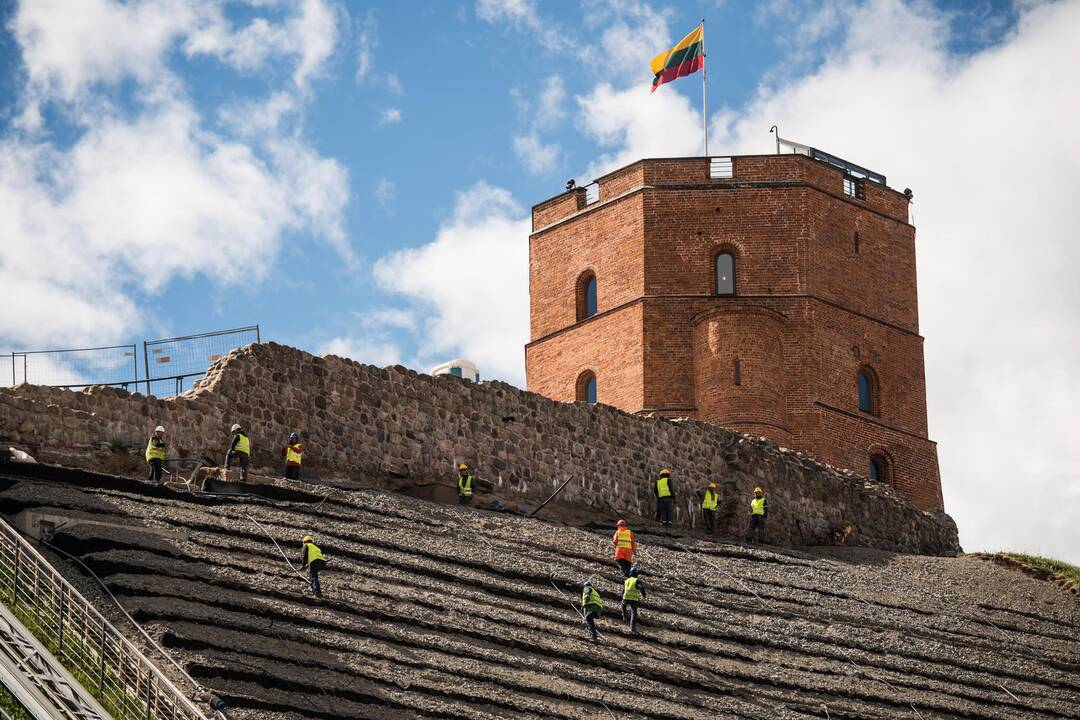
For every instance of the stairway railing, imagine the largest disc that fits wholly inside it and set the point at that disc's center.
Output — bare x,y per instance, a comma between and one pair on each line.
107,664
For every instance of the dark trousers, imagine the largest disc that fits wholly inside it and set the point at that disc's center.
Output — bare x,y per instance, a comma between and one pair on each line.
630,606
624,567
313,576
756,527
710,519
464,499
591,613
292,472
155,471
240,458
665,508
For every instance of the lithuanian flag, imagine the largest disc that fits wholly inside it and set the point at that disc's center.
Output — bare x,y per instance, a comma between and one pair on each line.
684,59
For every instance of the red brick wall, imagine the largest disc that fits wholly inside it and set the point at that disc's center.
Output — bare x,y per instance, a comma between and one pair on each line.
809,310
608,345
608,241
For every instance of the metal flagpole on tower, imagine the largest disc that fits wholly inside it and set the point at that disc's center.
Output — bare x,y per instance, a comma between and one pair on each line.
704,75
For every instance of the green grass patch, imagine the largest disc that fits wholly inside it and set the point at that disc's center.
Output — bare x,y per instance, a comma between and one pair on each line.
1057,571
11,705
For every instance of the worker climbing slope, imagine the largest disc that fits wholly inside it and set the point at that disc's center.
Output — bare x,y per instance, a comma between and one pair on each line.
312,559
633,593
464,485
239,450
293,453
625,546
155,454
592,607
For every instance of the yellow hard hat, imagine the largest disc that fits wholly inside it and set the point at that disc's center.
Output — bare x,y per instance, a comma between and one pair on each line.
712,485
307,538
462,466
665,471
758,490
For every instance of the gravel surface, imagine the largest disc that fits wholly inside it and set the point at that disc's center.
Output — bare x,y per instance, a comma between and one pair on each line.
436,611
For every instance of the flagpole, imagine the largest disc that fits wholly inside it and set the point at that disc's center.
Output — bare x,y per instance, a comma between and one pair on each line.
704,74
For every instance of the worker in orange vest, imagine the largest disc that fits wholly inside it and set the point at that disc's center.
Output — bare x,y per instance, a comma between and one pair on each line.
625,546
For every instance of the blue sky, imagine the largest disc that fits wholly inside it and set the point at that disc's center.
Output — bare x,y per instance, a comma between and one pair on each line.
356,178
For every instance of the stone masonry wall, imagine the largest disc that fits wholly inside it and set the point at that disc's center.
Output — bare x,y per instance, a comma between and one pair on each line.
370,424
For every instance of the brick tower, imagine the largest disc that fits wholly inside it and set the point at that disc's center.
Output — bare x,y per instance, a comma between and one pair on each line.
772,294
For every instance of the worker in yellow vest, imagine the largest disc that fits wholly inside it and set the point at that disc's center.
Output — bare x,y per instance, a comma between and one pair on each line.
759,512
633,593
708,507
665,497
464,485
240,450
294,455
625,546
312,559
155,454
592,607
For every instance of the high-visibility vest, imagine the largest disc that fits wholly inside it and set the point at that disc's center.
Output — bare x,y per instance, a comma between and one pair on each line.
624,538
709,503
293,453
313,553
244,445
630,590
662,489
757,506
464,485
589,596
153,452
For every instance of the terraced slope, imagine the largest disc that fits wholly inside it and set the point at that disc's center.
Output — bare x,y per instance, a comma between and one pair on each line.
433,611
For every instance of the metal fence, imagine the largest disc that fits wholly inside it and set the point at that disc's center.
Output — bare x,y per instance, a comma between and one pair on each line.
123,680
174,364
113,365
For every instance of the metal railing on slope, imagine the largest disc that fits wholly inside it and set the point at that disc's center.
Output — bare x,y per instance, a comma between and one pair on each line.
123,680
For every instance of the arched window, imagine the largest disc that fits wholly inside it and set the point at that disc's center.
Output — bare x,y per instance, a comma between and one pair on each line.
880,467
725,274
586,295
868,391
586,387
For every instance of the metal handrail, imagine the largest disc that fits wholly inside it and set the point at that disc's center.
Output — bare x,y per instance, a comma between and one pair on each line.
125,682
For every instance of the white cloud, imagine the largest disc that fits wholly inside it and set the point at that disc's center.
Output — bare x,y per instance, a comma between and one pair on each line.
366,42
373,350
393,84
537,156
638,125
633,34
139,196
549,110
522,15
390,116
385,192
470,283
390,318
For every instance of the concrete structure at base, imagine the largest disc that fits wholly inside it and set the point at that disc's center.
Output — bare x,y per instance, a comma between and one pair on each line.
772,294
395,428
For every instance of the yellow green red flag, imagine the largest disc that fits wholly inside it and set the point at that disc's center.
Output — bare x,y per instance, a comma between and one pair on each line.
684,59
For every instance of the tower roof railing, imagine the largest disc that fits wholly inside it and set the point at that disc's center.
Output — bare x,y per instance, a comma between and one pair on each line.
785,146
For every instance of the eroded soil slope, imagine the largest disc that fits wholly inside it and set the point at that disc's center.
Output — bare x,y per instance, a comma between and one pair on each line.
433,611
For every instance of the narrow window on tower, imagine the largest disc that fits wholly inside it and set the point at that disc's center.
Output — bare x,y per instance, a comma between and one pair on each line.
586,387
875,470
586,295
880,469
856,243
738,372
853,187
867,392
725,274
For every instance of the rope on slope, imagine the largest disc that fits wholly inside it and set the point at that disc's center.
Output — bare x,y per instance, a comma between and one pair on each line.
283,555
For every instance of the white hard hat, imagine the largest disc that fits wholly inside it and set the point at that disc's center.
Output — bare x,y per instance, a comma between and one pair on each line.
159,428
235,427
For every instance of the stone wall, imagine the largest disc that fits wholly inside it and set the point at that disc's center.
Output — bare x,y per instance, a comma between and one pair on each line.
373,425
